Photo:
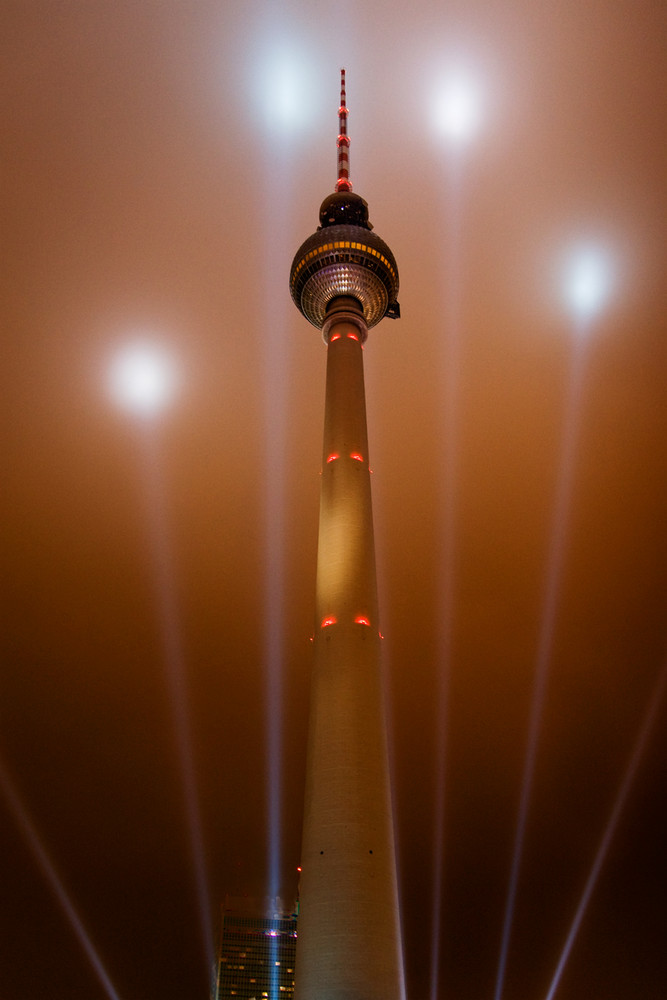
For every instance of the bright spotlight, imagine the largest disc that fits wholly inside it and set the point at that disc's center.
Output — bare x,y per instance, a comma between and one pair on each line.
587,280
143,378
286,98
283,82
457,109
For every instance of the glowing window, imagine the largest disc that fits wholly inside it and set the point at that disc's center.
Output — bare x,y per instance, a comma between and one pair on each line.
331,620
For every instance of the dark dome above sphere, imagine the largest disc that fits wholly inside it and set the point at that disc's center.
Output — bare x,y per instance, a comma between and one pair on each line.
345,260
344,208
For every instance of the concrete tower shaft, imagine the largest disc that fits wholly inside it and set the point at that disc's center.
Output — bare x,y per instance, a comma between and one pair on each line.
349,937
346,584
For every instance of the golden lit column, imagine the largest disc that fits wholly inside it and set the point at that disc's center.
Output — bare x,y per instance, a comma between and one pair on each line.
349,940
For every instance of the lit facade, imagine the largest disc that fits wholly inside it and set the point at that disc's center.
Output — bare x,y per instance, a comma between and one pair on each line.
344,280
256,954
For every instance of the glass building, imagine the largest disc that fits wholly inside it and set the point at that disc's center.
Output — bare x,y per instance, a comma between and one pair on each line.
256,954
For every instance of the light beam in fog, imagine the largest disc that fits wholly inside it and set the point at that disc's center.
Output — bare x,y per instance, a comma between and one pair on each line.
286,95
583,293
34,841
619,803
285,90
457,118
143,379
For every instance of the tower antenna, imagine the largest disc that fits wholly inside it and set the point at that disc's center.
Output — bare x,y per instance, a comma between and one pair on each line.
343,142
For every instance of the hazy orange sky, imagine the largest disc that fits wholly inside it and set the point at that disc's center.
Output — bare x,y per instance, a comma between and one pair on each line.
162,162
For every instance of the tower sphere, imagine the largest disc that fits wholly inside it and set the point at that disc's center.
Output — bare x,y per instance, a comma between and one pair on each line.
344,258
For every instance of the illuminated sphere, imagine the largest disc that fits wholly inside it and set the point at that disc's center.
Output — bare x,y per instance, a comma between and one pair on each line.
344,258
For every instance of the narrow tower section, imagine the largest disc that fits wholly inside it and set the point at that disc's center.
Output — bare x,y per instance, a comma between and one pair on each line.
344,280
343,141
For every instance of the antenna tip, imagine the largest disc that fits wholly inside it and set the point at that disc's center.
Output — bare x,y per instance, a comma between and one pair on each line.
343,142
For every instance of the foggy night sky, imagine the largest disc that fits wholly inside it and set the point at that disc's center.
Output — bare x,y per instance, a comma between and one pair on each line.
162,162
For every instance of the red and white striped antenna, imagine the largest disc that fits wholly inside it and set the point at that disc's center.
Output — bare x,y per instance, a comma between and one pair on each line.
343,142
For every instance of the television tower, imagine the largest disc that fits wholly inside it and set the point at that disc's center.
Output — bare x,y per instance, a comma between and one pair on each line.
344,279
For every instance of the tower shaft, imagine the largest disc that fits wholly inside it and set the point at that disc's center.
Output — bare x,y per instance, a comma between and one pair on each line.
349,941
